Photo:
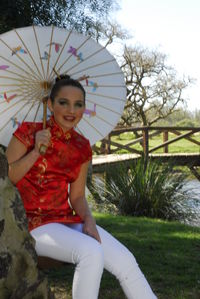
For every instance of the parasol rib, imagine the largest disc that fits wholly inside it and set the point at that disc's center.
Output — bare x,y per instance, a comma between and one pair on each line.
21,100
107,122
21,108
39,51
49,55
10,91
29,53
19,75
99,85
8,85
32,71
106,96
102,75
58,70
54,67
84,119
17,66
36,113
106,108
30,109
89,56
91,67
11,78
24,82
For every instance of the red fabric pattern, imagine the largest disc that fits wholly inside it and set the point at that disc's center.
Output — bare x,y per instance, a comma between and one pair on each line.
44,188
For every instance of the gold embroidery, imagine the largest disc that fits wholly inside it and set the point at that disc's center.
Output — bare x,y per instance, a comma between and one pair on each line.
58,134
67,136
36,221
41,170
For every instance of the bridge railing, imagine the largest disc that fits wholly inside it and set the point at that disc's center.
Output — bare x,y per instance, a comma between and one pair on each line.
108,146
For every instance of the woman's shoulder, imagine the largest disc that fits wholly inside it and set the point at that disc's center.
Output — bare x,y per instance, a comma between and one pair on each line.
82,144
79,138
30,127
26,132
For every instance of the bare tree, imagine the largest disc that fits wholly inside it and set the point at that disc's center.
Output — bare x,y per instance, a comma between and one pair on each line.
154,90
109,32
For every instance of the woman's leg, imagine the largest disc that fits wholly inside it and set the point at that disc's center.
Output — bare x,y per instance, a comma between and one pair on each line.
120,262
60,242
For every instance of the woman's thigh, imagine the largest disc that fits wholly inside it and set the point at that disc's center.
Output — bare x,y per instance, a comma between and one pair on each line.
61,242
67,242
117,257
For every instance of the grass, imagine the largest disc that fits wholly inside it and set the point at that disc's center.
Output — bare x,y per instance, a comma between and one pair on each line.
181,146
168,254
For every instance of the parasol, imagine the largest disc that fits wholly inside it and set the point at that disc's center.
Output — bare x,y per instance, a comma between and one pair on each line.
31,58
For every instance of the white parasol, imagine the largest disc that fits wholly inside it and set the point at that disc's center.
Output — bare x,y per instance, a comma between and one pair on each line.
31,58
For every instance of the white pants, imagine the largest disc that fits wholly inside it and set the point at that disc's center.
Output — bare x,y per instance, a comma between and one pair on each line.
67,243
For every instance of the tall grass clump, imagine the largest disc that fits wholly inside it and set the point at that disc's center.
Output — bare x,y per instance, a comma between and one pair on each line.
144,188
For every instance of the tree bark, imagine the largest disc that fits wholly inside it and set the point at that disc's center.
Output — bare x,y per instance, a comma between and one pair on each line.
19,275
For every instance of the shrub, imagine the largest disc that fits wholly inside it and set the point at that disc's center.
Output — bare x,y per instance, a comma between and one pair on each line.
151,189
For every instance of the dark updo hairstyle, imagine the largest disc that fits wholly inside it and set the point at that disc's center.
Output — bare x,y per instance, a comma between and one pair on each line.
65,80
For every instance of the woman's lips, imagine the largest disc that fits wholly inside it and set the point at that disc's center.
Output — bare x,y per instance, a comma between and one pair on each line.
69,118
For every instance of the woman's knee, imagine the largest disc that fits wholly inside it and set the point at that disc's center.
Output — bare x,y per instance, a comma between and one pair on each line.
92,252
124,264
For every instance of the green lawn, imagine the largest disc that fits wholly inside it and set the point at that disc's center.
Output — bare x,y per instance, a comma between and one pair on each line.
181,146
168,253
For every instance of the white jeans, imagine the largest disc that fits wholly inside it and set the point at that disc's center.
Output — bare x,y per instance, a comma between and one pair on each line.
67,243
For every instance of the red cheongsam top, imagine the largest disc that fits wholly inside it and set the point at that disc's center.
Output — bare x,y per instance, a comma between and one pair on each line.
44,188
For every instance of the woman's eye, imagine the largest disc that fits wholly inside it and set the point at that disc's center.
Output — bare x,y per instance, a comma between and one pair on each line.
79,105
63,103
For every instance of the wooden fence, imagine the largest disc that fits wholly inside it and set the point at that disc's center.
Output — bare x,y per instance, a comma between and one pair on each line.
146,134
109,147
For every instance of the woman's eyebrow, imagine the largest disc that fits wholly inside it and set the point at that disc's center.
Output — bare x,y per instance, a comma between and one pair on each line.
67,100
64,99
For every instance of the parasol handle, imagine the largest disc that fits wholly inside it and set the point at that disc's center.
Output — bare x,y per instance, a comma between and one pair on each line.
43,147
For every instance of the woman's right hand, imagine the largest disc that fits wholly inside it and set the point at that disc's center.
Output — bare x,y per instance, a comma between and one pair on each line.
42,138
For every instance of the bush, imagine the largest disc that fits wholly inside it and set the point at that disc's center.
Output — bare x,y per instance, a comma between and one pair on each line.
151,189
187,123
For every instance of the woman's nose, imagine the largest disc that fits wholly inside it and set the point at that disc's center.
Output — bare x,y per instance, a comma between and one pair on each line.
71,108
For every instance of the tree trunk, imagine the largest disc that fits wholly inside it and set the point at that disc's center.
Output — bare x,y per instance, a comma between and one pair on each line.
19,275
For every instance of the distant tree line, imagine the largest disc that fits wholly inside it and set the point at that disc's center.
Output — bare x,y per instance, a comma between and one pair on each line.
155,92
81,15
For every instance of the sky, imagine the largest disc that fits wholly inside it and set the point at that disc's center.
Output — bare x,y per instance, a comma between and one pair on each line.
172,27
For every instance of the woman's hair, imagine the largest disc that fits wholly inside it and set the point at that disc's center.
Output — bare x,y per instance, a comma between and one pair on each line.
65,80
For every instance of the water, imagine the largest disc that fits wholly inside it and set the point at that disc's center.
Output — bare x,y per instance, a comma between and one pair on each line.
194,186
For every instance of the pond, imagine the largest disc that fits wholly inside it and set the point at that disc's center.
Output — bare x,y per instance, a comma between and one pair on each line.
194,186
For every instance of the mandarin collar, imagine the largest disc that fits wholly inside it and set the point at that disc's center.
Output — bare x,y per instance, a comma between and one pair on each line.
57,131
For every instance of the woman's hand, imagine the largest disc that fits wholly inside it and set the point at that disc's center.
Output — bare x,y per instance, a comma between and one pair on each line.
42,138
89,228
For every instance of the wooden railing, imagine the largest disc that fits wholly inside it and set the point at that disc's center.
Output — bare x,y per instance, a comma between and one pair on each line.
146,134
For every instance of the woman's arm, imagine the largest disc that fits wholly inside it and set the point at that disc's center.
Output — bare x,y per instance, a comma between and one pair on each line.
19,161
80,205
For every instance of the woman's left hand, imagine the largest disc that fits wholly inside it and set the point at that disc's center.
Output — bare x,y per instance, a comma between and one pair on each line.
90,229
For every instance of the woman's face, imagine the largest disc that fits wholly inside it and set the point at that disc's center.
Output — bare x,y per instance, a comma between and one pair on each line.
68,107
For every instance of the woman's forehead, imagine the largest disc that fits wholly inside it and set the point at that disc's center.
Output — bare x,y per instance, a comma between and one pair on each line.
70,92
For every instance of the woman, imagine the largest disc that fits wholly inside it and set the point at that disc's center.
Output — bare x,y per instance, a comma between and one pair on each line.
59,217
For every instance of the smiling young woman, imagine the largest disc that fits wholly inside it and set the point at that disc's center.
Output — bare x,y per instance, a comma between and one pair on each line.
68,107
59,220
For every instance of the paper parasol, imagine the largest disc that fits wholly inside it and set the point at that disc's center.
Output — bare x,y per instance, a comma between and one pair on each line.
29,60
